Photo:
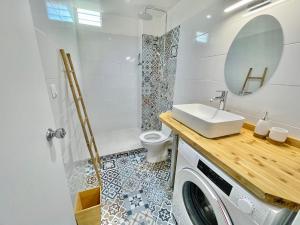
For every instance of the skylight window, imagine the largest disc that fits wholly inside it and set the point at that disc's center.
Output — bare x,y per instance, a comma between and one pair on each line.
89,17
59,12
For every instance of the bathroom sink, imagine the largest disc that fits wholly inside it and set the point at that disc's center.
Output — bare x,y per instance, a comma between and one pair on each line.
208,121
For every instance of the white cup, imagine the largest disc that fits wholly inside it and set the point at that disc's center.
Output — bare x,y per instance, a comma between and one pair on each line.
278,134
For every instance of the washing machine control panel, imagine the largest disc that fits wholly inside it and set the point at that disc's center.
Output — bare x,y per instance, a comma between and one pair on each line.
249,205
245,202
214,177
245,205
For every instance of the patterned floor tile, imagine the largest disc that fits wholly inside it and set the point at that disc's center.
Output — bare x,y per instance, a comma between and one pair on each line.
163,175
164,214
132,184
135,202
134,191
111,191
109,164
109,175
141,218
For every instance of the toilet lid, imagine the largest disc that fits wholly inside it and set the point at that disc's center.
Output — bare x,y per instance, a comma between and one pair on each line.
152,137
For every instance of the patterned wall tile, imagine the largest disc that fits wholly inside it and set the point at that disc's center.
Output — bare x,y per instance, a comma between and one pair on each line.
158,76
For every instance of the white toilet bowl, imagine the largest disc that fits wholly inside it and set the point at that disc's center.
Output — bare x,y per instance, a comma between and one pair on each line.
157,144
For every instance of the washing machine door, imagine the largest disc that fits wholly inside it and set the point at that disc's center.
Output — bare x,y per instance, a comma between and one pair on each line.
196,202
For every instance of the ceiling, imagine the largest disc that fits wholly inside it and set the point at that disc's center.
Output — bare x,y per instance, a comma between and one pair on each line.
128,8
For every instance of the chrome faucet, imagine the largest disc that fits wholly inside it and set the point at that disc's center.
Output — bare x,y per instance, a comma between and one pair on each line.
222,98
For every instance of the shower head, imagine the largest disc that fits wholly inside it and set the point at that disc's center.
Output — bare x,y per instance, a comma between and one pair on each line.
145,16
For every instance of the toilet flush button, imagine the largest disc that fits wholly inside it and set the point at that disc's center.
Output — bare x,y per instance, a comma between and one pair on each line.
245,205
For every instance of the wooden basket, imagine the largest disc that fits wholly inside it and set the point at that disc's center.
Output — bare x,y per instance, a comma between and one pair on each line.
87,207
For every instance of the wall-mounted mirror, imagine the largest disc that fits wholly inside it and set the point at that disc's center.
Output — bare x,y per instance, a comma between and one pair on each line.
254,55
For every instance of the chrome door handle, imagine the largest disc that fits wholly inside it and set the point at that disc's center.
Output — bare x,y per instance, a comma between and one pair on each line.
59,133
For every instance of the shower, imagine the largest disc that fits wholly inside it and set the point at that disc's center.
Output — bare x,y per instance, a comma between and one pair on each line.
145,15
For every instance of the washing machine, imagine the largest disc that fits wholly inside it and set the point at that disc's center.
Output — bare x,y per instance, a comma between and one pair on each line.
205,195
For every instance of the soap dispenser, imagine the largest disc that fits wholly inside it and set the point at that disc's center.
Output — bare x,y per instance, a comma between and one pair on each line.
262,127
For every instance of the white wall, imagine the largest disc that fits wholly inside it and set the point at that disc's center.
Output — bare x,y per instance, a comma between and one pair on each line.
111,84
184,10
53,35
156,26
115,24
107,79
200,67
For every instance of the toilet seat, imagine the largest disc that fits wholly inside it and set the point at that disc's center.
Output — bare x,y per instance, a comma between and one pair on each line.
153,137
157,143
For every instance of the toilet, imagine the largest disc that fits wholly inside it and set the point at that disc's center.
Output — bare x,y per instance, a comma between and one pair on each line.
157,144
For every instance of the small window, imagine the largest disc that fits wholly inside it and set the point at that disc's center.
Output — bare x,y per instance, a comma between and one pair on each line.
59,12
89,17
201,37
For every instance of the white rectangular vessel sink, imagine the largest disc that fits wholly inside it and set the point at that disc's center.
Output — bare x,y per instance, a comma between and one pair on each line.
208,121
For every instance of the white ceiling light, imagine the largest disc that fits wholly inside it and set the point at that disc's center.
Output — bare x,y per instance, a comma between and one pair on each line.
237,5
208,16
259,5
130,59
263,8
89,17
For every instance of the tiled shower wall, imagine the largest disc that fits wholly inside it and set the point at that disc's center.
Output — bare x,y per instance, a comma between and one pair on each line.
159,61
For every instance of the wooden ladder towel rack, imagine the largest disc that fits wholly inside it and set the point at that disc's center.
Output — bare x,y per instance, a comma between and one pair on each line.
83,117
248,77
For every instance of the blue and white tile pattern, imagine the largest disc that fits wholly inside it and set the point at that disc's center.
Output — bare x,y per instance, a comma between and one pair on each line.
134,191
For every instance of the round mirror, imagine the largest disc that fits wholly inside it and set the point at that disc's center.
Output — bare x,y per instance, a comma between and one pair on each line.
254,55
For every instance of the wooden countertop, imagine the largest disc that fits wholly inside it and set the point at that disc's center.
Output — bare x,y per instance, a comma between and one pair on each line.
271,172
